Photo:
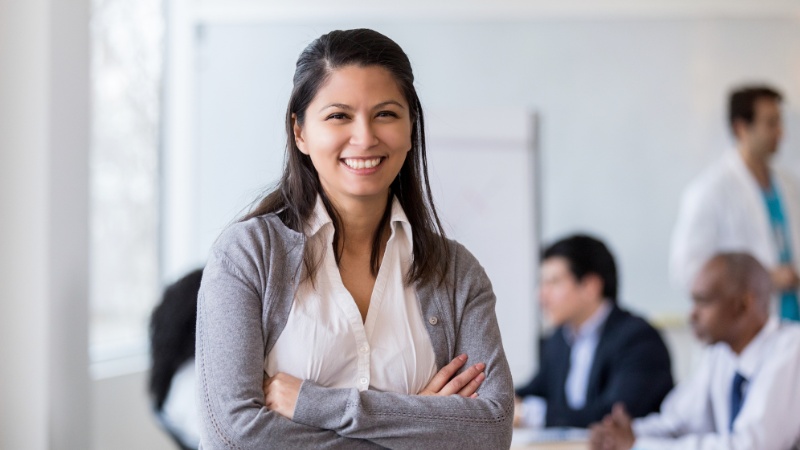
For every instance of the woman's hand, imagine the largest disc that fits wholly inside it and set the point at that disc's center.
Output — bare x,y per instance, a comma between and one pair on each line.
281,392
465,384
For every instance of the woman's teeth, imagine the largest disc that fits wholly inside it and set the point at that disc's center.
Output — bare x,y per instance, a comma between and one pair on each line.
362,163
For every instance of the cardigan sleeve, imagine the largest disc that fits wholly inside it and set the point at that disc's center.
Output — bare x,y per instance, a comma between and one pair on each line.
411,421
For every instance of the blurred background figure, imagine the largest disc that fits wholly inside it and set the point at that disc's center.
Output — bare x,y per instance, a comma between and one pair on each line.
172,375
745,394
600,354
743,203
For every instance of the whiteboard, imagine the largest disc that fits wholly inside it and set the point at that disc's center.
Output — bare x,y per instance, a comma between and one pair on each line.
484,185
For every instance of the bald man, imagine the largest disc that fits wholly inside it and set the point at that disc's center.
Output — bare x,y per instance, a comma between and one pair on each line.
746,394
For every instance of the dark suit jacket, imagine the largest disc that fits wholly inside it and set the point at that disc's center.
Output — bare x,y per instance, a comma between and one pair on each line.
631,365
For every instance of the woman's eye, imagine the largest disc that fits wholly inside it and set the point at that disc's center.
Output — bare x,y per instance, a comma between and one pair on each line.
387,114
337,116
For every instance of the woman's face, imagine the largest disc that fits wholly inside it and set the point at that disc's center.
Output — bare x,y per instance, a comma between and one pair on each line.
357,131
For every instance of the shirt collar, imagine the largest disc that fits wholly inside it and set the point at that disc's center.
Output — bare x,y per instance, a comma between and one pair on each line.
397,219
592,326
319,218
750,359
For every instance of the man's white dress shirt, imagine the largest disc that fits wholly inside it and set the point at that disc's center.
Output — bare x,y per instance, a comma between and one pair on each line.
583,343
325,340
696,414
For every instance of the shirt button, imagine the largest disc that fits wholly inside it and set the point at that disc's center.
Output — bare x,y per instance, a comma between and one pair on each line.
363,380
433,320
364,349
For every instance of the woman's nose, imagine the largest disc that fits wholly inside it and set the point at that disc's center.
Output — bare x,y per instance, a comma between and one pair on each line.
363,134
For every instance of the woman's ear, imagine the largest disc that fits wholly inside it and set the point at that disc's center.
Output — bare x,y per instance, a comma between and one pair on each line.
298,135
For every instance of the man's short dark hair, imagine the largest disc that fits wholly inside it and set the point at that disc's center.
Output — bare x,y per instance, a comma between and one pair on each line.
587,255
742,101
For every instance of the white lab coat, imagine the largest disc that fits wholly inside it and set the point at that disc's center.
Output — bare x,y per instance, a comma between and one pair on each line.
724,210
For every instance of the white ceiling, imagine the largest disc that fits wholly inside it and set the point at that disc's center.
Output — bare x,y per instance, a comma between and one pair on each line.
272,10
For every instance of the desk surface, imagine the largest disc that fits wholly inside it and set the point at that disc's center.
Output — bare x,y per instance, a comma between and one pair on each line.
551,446
550,439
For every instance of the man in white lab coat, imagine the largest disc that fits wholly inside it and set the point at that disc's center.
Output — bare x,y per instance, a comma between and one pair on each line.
741,203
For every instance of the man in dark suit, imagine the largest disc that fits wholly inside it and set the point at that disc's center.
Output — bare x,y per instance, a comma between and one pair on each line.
599,353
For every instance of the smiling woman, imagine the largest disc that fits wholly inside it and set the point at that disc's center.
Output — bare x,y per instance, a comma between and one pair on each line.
337,314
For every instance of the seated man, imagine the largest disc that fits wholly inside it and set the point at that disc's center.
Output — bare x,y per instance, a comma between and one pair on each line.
600,354
746,394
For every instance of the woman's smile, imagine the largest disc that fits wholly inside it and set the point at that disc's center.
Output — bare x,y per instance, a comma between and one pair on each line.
363,166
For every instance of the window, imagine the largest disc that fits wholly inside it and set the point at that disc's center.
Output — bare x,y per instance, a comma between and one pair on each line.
127,69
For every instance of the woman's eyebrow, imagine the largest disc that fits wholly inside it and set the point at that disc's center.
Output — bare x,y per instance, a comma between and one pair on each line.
389,102
350,108
337,105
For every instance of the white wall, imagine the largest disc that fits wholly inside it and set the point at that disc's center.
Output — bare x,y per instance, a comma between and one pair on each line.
23,309
122,416
44,125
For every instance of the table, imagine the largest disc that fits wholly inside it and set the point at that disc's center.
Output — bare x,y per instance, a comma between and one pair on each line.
551,446
550,439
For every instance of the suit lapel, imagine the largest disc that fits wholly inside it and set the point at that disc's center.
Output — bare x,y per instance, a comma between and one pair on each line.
561,356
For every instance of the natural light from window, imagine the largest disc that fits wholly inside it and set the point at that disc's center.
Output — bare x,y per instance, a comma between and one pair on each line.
127,71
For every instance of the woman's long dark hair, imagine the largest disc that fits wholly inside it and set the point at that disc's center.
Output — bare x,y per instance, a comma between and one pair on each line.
295,196
172,334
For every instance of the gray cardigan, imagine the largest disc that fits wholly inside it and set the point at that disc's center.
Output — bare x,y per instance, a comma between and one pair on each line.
244,302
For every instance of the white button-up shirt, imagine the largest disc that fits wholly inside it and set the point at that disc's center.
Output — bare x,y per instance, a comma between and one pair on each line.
325,340
696,414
